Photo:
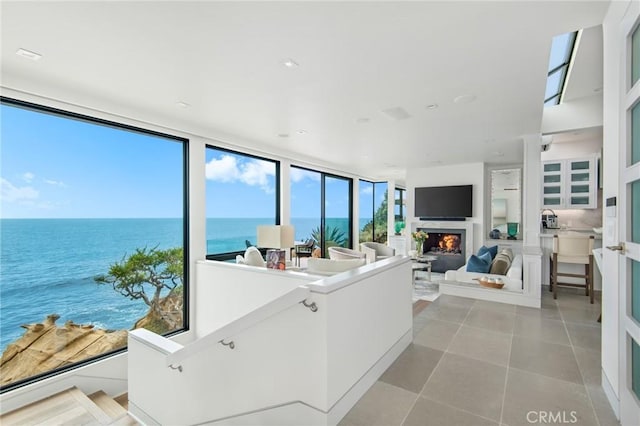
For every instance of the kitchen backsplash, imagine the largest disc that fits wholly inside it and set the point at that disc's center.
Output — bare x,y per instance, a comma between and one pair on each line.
581,218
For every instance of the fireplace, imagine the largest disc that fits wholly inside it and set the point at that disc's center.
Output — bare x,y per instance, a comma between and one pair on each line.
448,245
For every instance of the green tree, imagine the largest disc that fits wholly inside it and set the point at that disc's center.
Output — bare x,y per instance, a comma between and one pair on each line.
149,269
380,221
333,237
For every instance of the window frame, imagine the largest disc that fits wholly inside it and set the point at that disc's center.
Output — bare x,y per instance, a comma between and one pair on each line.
323,222
373,207
69,115
228,256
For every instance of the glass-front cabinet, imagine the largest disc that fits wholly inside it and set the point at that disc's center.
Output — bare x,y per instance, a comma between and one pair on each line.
569,184
552,184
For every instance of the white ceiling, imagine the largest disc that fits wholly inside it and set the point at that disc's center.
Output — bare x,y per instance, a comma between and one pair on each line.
356,59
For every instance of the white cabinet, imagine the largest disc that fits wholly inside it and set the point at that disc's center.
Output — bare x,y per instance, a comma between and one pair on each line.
399,243
569,184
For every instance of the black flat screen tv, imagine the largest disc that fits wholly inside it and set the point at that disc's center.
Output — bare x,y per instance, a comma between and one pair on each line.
444,202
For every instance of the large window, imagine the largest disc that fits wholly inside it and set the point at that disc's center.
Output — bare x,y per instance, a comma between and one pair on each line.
321,208
92,238
373,211
241,193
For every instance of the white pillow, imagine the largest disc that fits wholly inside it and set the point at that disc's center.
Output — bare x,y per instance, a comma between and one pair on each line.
253,257
240,259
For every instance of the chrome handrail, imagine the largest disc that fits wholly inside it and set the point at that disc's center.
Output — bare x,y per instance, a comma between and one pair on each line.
221,335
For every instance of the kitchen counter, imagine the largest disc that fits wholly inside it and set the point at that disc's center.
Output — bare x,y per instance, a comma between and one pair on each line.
549,233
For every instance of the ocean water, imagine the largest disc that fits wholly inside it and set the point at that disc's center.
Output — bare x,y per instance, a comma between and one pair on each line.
48,266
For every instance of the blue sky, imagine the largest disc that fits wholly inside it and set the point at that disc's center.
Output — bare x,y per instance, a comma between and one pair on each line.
52,167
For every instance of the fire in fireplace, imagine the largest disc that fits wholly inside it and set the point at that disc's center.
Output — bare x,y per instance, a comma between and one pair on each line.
443,243
448,245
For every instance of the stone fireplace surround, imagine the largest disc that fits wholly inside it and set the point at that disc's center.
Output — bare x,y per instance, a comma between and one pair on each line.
464,228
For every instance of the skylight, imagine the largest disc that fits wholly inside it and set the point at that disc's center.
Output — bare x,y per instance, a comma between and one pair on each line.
559,58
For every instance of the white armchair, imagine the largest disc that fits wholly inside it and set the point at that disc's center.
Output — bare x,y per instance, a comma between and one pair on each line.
330,266
376,251
336,253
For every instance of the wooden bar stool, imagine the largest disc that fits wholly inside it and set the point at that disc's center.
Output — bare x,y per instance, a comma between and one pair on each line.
572,249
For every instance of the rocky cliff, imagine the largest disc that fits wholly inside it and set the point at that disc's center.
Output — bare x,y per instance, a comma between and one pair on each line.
46,346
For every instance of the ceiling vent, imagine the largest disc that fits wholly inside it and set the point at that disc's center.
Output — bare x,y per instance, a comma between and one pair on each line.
397,113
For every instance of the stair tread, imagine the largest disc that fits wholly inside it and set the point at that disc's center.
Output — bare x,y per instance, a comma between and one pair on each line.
108,405
70,406
123,400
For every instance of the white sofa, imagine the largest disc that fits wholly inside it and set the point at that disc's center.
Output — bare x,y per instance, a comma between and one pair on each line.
512,280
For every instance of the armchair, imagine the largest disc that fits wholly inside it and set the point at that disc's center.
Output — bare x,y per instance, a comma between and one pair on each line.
376,251
344,253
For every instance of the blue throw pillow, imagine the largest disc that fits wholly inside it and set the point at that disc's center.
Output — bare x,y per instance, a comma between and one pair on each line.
480,263
493,250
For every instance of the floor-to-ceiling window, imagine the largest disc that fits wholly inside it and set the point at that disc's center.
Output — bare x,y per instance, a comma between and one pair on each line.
365,208
321,208
242,192
93,241
373,204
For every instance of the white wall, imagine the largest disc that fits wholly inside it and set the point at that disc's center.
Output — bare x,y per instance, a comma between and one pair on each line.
457,174
581,113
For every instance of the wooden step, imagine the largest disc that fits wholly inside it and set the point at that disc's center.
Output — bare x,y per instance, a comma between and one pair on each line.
123,400
70,406
107,404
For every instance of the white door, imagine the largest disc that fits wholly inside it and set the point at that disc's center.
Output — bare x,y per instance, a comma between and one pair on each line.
629,221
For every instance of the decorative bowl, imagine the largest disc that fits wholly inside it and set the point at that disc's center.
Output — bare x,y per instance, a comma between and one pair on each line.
490,283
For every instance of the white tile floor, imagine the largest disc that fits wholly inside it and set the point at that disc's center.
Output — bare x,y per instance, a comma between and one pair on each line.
482,363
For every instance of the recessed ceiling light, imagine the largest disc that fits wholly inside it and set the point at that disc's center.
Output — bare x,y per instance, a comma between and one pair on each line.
290,63
465,99
432,106
363,120
28,54
301,132
283,135
182,104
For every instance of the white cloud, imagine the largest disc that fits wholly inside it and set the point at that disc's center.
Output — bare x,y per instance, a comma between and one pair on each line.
366,189
252,172
55,182
300,174
224,169
11,193
28,177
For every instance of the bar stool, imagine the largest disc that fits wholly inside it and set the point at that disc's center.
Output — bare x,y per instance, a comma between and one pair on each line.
572,249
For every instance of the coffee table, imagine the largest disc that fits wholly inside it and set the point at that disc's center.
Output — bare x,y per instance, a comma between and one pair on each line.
422,263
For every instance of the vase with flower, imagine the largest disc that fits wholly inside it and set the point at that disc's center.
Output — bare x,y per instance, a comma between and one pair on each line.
419,237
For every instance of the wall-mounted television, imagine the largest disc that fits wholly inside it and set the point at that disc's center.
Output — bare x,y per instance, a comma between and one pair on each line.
444,202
